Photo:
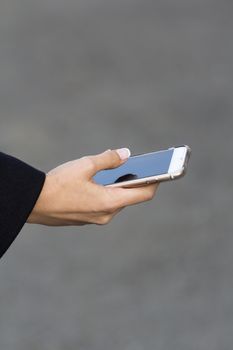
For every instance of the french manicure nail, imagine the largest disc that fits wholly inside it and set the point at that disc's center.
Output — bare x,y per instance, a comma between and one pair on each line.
124,153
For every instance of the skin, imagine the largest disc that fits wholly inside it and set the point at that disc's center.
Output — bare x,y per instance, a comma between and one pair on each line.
71,197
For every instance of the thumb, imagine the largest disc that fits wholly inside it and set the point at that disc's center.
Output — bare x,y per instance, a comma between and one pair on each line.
109,159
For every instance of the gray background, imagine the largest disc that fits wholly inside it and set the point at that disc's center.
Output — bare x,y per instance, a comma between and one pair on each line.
78,77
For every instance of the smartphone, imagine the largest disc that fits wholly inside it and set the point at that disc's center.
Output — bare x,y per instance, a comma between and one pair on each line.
145,169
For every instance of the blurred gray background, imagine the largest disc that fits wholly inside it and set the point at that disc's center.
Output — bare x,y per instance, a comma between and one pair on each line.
78,77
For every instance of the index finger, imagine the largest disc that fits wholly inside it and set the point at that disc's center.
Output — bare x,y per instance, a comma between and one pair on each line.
130,196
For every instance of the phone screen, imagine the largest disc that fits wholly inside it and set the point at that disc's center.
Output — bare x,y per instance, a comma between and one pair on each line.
136,168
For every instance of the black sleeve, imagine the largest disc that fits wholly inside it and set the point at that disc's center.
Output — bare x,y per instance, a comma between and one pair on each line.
20,187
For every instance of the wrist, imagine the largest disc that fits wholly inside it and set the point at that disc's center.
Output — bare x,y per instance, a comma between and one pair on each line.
40,210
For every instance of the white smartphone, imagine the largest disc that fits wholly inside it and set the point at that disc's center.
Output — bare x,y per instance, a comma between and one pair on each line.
144,169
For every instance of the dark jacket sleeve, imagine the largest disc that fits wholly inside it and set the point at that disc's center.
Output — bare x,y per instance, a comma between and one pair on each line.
20,187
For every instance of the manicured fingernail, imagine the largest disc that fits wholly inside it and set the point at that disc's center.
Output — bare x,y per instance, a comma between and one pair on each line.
124,153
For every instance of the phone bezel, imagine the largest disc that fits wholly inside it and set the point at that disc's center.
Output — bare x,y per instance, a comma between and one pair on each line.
177,169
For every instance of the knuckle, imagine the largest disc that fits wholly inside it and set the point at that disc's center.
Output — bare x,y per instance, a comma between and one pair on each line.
89,163
104,220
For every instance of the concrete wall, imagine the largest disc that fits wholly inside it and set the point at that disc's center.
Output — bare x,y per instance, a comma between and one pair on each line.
76,78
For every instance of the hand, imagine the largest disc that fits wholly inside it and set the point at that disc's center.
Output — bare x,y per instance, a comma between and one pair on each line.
71,197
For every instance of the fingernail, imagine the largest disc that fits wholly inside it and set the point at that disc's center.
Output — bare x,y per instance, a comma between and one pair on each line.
124,153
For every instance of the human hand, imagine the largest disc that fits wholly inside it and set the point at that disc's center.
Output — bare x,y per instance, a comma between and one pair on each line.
71,197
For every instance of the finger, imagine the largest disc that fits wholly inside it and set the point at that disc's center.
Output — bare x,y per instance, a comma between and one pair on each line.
105,219
131,196
107,160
